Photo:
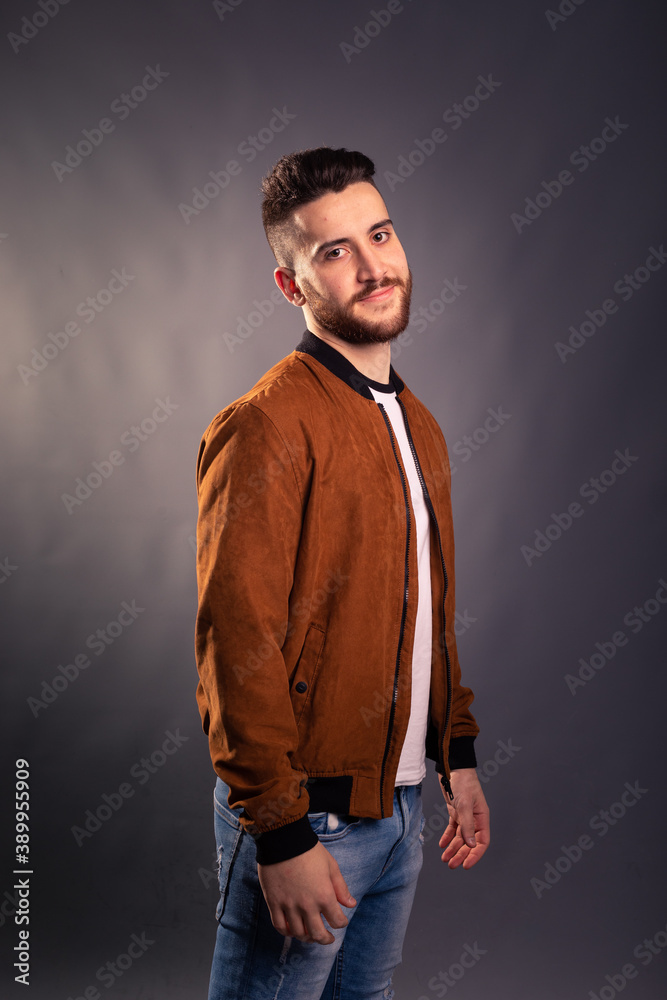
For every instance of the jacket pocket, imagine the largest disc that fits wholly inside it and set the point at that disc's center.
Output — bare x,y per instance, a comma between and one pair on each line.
305,674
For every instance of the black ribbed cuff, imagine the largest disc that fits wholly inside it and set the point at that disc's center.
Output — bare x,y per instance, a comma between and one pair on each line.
285,842
462,753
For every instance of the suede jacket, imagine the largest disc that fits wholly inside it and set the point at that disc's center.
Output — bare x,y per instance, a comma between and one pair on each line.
307,580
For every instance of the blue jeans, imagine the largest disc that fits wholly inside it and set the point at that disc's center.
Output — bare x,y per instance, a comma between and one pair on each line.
380,859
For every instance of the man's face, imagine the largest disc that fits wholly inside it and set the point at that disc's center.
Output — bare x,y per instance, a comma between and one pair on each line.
351,267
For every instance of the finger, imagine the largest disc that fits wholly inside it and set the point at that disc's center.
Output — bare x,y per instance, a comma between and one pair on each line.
455,860
335,916
454,848
281,923
450,832
316,930
465,856
308,927
474,856
451,836
343,894
293,929
477,852
455,851
466,822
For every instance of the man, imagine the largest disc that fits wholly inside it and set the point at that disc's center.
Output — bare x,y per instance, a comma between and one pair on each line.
325,641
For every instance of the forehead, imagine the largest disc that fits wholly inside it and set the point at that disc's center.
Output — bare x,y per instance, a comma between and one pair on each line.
338,215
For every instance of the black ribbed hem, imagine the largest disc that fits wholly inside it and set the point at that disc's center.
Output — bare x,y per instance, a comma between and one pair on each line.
462,752
285,842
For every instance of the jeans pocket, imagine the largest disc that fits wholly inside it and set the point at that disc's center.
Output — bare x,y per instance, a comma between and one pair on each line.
332,826
228,833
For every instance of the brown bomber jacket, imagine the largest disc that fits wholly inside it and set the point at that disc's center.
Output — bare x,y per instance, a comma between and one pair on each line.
307,579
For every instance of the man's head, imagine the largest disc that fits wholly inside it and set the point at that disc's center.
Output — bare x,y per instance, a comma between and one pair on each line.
338,255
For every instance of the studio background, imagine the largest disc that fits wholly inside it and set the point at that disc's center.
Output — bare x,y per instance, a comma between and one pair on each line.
537,341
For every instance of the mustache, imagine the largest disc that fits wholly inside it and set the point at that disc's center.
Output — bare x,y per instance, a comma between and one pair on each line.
385,283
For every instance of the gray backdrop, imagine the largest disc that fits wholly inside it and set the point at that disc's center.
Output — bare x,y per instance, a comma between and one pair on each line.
135,307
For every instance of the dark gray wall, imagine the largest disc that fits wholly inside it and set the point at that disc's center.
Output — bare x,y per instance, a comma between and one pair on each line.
577,734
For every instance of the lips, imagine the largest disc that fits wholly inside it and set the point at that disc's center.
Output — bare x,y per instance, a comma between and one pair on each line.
379,295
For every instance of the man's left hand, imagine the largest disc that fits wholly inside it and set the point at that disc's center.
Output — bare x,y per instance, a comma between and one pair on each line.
468,833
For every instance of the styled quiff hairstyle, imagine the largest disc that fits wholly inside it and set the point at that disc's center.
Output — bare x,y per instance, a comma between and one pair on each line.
299,178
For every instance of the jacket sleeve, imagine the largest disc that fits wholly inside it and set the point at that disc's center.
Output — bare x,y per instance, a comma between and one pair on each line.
251,494
464,728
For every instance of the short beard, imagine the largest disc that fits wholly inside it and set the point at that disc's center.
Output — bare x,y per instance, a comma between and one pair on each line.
339,320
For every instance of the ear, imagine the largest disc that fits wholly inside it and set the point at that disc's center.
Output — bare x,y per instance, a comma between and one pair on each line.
286,281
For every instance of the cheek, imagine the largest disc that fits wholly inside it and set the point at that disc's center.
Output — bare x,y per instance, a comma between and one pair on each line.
338,289
401,262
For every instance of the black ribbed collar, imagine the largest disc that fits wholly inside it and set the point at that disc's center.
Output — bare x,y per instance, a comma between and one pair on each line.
338,365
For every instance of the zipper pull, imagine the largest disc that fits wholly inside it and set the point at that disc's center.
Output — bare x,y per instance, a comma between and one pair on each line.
444,781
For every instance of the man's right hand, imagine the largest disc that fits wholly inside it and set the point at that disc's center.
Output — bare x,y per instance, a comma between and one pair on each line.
299,890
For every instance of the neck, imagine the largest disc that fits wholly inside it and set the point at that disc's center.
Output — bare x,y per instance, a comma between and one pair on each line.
372,360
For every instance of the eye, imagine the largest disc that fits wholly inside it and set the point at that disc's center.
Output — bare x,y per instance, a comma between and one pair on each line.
338,251
380,237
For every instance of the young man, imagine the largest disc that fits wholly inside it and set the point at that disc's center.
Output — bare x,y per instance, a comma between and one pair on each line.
325,641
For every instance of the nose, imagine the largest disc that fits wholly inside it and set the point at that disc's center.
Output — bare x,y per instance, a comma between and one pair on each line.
370,267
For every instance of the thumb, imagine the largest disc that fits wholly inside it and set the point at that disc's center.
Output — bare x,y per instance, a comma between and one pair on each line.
467,827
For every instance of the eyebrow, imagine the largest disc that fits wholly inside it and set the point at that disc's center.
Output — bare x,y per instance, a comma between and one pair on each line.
346,239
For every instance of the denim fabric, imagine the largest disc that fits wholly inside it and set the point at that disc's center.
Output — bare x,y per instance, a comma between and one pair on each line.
380,859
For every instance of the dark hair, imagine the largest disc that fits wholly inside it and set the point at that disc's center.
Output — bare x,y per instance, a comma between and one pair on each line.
298,178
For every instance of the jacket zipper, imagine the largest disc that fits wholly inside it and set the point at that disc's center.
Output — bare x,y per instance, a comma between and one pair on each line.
403,613
427,498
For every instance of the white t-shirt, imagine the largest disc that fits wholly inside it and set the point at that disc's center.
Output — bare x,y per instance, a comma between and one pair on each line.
412,762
